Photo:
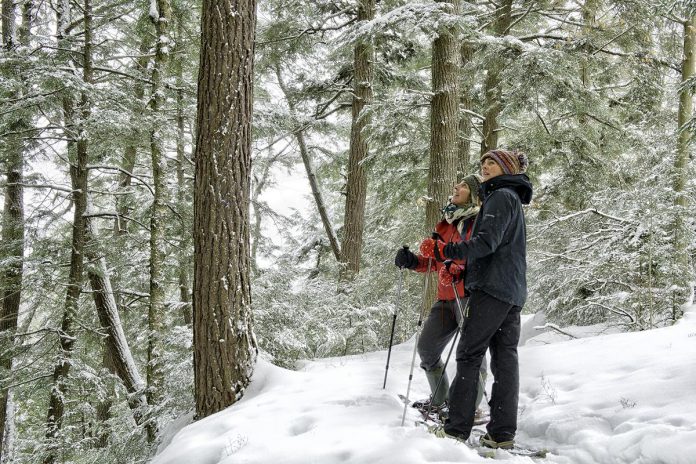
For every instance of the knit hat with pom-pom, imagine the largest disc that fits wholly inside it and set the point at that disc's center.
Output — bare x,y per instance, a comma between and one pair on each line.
510,161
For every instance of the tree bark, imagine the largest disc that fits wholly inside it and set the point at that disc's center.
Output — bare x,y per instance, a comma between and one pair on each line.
12,251
306,160
183,254
683,272
103,409
493,92
119,356
155,374
356,192
224,344
444,124
467,164
78,175
8,24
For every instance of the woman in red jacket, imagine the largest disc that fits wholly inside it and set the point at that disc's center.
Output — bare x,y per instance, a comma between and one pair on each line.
441,324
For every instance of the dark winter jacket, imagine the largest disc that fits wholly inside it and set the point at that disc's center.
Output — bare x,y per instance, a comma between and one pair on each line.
497,252
449,233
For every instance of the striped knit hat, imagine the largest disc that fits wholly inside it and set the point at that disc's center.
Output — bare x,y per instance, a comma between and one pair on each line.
511,161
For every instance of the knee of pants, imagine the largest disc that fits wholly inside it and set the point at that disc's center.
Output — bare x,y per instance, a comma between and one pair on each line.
431,364
429,356
474,360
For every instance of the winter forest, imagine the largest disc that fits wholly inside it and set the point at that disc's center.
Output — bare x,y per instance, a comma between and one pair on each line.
145,144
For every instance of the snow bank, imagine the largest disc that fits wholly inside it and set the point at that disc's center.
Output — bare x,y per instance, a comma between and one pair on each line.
617,398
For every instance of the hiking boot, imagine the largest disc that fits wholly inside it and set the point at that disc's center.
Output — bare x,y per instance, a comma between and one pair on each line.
421,404
439,431
488,441
439,384
443,412
425,404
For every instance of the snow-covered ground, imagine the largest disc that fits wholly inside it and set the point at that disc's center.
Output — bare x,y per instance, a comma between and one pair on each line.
614,398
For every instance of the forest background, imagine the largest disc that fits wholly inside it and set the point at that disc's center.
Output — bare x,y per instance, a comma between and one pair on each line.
383,105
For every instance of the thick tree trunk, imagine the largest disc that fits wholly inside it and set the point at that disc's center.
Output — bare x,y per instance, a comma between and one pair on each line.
224,344
356,192
78,175
155,374
444,124
12,247
683,273
493,92
306,160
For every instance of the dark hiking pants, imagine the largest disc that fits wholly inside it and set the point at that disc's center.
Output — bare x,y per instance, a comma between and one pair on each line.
438,329
495,325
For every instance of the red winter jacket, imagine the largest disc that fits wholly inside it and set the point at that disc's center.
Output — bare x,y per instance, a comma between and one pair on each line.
449,233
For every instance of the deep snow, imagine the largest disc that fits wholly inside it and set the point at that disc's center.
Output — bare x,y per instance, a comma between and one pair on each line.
614,398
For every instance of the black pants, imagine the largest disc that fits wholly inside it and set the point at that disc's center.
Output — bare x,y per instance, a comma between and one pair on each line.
438,329
491,324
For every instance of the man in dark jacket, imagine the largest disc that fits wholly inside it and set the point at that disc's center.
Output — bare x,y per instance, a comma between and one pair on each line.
496,281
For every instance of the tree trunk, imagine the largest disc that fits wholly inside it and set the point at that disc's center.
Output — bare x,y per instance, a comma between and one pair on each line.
119,356
259,184
8,24
155,375
306,160
444,123
224,344
130,153
467,164
493,92
78,175
12,251
354,219
683,272
183,255
103,409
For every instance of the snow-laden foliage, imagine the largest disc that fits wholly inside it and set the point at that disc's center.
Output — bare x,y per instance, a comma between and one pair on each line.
591,96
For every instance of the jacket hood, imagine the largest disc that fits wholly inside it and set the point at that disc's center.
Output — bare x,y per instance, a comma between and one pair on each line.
519,183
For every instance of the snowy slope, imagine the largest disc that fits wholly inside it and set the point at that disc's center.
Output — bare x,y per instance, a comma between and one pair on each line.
618,398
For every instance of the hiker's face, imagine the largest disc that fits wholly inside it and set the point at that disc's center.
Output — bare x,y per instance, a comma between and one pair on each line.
462,194
490,169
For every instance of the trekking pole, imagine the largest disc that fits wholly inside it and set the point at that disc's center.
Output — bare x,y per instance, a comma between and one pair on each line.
460,328
415,346
396,310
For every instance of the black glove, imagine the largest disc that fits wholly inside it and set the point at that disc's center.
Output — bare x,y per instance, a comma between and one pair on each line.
453,251
406,259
